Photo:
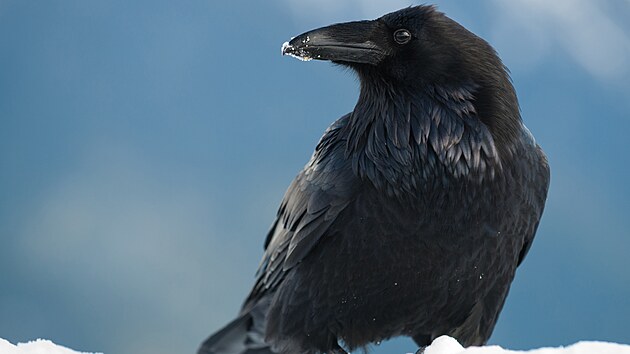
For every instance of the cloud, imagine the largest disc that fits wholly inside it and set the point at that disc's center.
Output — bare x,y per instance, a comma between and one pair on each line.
586,30
324,11
115,231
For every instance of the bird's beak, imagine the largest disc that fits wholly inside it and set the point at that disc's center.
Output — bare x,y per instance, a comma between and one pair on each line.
349,42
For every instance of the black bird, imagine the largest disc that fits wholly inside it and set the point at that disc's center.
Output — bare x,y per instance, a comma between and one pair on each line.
415,209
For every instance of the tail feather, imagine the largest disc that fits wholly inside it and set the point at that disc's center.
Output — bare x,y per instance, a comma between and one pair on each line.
244,335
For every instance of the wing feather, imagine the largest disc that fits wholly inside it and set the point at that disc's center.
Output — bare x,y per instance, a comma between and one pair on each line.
537,184
312,203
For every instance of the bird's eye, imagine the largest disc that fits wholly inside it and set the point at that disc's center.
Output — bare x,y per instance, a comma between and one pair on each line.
402,36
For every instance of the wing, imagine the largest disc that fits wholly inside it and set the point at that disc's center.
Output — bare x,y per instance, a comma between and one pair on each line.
536,182
311,204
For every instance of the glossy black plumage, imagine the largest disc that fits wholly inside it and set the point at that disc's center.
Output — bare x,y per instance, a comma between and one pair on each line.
415,209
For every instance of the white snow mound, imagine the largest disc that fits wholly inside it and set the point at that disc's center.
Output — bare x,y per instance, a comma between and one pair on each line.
441,345
40,346
448,345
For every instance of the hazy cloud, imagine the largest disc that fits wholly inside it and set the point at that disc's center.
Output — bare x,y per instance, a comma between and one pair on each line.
587,30
324,11
113,226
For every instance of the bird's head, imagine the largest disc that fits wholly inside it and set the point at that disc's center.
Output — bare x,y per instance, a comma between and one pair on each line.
410,45
415,48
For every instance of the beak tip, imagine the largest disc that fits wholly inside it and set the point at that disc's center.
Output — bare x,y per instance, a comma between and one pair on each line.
286,48
296,52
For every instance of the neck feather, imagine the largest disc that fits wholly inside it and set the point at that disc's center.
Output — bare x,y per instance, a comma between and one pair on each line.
410,138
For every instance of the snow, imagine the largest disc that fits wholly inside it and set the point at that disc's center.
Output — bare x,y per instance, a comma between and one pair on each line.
288,49
441,345
448,345
39,346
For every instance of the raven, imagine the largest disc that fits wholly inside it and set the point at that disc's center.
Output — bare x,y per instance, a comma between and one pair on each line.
416,208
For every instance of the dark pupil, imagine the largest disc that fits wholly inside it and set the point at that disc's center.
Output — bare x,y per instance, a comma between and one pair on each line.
402,36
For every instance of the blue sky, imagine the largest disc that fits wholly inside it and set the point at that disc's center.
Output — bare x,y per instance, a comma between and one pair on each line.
145,147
